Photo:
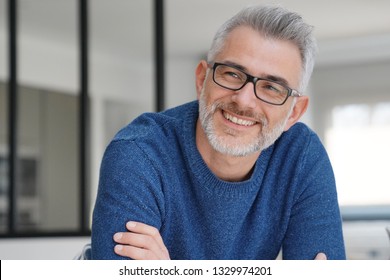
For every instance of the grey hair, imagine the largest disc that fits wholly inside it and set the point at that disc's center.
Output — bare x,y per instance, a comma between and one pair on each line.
277,23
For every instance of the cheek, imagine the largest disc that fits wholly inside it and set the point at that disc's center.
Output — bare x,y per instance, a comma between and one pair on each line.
275,117
213,93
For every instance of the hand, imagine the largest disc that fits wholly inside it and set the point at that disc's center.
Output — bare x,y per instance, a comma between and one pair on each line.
320,257
142,242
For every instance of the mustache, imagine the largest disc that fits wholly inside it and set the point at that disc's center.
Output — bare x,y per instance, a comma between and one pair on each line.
232,107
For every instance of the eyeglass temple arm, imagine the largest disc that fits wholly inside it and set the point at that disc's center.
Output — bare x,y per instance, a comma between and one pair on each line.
295,93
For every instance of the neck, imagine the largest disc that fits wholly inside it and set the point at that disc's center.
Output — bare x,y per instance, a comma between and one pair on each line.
225,167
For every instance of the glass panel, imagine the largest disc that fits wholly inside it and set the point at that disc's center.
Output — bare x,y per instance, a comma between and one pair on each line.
185,48
122,70
3,117
48,156
358,143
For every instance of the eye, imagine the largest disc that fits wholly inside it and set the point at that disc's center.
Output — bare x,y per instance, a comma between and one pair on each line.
271,87
231,75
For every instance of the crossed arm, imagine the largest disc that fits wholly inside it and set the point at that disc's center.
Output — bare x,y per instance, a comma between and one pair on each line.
144,242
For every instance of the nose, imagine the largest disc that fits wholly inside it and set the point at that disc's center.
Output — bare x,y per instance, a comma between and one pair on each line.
245,97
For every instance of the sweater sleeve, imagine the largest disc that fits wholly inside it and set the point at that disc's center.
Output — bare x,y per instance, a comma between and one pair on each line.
129,189
315,222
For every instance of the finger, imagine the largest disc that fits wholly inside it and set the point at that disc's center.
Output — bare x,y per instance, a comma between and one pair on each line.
141,241
321,256
135,253
142,228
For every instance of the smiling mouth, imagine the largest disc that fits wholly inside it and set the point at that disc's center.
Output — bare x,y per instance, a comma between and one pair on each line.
237,121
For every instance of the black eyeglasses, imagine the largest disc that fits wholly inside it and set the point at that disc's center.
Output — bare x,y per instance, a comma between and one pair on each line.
269,91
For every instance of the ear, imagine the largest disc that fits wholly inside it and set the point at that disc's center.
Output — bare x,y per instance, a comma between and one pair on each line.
200,76
299,109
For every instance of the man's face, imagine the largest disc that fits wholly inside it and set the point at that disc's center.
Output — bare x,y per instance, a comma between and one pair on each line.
236,123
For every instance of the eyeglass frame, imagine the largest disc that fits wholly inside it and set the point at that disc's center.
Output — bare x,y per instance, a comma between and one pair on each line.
253,79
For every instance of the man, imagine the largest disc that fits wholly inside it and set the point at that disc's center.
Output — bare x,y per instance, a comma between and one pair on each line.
233,176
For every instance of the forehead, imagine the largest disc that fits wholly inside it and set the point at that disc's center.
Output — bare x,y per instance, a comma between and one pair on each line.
262,56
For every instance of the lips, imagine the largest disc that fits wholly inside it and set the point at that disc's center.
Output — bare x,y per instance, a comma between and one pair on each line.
237,121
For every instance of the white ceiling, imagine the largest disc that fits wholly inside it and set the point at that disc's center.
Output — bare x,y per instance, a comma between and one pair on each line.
332,19
124,27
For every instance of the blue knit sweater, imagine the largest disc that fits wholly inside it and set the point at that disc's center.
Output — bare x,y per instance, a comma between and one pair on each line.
152,172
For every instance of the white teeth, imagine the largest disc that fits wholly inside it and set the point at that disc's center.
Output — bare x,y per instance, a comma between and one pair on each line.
238,121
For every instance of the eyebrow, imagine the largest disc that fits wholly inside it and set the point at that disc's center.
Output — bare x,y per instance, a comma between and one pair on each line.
274,78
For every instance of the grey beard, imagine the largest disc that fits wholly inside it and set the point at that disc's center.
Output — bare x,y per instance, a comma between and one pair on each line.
266,137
